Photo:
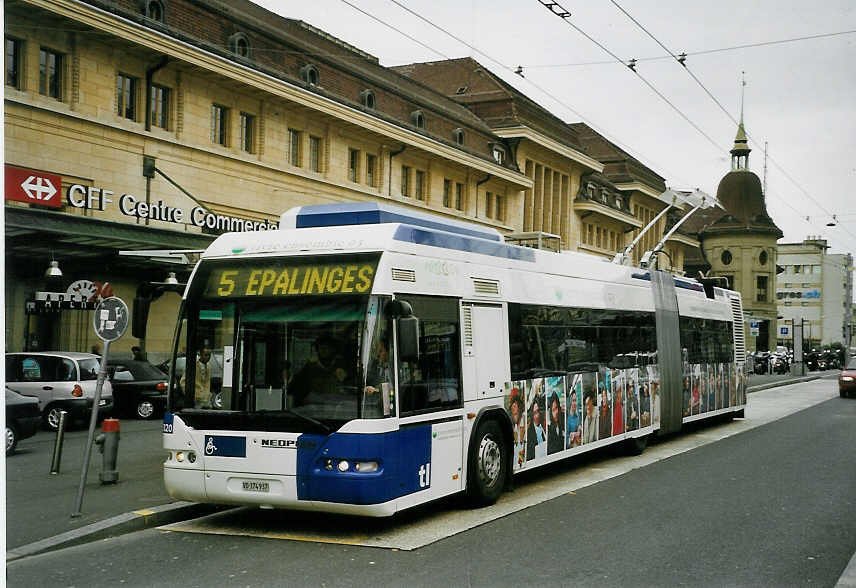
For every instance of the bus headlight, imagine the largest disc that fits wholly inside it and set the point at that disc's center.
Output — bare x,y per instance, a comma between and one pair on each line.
366,466
179,456
343,465
328,464
191,456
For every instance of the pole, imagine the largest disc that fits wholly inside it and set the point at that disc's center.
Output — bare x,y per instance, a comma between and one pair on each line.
102,374
60,436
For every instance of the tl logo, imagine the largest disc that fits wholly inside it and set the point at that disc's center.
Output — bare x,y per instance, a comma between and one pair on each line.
425,475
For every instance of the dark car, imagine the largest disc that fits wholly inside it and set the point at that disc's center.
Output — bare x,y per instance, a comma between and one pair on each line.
139,388
847,380
22,418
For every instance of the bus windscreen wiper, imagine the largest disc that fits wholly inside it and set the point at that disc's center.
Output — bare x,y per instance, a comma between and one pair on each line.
300,416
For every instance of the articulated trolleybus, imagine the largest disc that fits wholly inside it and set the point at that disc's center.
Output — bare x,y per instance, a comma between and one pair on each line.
364,359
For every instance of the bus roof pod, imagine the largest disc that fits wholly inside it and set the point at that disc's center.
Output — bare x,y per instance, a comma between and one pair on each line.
373,213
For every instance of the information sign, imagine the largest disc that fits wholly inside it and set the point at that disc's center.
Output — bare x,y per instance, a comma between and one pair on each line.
111,319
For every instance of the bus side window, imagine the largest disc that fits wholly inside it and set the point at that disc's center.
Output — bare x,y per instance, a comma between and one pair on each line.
434,381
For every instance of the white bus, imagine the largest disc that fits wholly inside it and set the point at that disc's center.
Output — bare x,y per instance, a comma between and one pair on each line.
376,358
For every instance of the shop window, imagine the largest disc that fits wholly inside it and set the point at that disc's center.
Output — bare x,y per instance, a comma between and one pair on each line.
371,170
126,96
50,73
315,153
219,124
761,289
159,106
248,132
419,185
294,154
353,164
405,181
459,196
13,63
433,382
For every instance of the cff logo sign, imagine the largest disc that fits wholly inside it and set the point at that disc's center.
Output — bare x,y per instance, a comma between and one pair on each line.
33,187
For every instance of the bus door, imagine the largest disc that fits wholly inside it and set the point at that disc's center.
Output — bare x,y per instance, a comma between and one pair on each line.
485,344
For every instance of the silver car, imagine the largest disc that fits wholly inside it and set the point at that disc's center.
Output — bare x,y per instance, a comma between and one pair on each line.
60,381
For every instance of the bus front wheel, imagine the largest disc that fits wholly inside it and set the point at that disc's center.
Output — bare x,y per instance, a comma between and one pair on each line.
486,465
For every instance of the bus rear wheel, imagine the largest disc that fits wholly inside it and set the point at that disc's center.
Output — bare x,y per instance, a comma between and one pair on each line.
486,465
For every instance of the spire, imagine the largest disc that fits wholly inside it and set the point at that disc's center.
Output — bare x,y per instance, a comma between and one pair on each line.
740,151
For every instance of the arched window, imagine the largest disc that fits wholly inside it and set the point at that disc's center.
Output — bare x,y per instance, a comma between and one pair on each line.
417,119
309,74
367,99
239,44
153,9
458,136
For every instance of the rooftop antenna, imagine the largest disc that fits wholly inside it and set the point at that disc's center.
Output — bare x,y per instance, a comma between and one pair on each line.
742,95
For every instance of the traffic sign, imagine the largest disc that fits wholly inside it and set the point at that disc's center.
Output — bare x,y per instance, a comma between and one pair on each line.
111,319
33,187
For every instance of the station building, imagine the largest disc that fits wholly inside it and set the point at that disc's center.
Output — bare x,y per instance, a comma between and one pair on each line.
815,290
157,124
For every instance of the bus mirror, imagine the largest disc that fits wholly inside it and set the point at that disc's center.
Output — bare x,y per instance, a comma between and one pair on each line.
399,309
408,338
140,316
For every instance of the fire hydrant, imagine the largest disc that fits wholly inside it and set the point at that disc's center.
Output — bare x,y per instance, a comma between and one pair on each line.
108,445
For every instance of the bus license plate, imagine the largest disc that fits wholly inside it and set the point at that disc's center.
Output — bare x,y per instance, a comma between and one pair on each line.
255,486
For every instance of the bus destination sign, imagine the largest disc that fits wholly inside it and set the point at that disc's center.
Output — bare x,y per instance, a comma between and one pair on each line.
284,278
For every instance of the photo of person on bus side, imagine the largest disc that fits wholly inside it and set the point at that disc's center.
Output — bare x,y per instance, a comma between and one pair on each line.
536,434
573,426
590,420
605,414
517,413
556,423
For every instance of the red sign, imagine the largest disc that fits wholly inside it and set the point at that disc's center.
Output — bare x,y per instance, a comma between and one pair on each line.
33,187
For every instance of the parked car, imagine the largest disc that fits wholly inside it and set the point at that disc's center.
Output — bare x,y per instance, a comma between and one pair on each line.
22,419
60,381
139,388
847,380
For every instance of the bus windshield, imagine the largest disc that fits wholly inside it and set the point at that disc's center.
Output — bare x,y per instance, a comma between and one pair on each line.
321,358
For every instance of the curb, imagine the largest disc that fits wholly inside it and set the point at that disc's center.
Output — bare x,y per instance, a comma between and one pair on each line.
119,525
760,387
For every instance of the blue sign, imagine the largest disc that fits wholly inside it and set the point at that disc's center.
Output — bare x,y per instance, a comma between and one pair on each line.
225,446
784,330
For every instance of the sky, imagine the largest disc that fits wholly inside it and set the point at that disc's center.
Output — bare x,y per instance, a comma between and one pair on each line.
800,96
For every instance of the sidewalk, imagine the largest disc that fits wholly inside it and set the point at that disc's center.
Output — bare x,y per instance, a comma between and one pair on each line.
39,506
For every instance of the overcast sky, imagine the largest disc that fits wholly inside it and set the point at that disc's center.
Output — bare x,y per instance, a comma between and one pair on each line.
800,95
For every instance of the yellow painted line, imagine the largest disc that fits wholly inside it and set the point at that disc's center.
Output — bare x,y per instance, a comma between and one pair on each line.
144,512
225,530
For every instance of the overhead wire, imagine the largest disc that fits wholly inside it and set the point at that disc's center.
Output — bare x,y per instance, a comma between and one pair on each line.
721,107
700,52
631,151
549,5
